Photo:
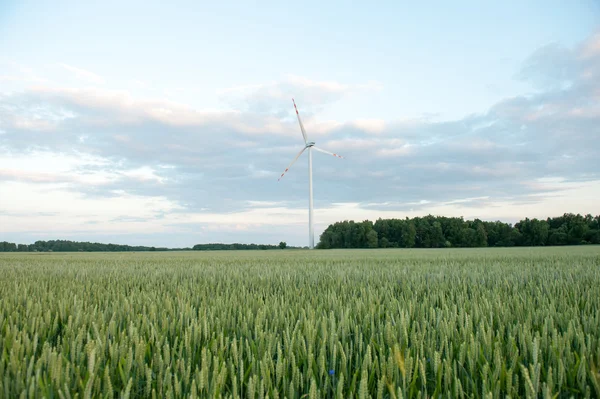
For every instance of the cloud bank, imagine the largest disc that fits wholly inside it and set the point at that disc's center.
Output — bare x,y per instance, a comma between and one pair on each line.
99,163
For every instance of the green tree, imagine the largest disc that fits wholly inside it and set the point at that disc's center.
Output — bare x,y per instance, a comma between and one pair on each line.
470,237
482,238
558,236
10,247
577,231
437,238
409,234
282,245
372,241
435,231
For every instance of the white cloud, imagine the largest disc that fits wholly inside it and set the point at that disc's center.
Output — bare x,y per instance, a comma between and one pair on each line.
144,173
276,97
265,204
260,173
331,86
395,151
363,143
275,89
74,168
140,84
540,206
11,71
474,144
124,109
83,74
53,207
39,161
370,125
33,124
243,88
591,47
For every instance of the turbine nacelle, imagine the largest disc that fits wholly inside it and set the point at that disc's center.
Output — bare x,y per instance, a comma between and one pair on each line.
310,144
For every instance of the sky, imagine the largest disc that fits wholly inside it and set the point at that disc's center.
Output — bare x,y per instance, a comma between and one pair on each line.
148,123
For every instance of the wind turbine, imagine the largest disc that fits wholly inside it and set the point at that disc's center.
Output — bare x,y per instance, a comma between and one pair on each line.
310,145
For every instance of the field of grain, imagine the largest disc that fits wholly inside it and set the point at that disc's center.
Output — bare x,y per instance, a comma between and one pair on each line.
354,323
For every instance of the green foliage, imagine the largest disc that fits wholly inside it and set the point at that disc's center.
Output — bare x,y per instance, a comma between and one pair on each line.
233,247
74,246
349,234
439,232
520,322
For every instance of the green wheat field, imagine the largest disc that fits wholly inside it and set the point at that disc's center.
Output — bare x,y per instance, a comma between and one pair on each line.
476,323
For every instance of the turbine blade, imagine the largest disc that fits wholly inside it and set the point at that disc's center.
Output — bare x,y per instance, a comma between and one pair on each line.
327,152
290,165
300,122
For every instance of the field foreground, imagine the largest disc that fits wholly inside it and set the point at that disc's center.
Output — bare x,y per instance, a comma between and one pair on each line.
355,323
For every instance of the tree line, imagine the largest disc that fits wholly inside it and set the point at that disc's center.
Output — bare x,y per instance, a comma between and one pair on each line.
238,246
419,232
444,232
76,246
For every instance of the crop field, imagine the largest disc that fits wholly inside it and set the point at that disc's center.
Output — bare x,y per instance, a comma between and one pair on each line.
473,323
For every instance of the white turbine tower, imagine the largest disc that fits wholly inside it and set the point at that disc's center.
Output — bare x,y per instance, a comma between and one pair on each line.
311,146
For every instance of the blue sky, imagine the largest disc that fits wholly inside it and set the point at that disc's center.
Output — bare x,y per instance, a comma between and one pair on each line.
141,122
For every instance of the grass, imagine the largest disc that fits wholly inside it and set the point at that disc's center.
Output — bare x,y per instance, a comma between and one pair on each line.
522,322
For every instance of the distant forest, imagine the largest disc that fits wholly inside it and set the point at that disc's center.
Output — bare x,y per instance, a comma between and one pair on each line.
443,232
236,246
419,232
74,246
